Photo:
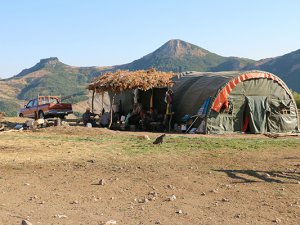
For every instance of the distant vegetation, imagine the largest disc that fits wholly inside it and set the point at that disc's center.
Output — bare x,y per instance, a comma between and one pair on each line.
297,98
9,107
64,84
78,97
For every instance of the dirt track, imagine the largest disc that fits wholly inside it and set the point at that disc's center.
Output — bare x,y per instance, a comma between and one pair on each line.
51,176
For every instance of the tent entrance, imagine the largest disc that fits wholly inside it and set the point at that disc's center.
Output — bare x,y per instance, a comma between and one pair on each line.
157,95
255,116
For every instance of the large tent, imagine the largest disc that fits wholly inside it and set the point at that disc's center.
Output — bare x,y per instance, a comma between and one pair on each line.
252,101
222,102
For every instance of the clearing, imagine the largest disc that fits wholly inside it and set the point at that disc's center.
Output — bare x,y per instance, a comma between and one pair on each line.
51,176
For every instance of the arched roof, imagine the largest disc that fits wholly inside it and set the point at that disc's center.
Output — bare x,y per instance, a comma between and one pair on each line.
192,88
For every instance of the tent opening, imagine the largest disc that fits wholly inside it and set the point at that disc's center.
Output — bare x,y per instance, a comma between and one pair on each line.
153,98
255,115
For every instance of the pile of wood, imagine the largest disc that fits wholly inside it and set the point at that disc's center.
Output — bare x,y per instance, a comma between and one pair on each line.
122,80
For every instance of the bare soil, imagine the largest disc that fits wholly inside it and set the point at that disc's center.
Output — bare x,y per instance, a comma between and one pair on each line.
51,176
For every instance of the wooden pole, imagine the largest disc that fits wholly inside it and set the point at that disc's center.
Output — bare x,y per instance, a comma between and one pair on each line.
111,111
151,99
93,97
102,103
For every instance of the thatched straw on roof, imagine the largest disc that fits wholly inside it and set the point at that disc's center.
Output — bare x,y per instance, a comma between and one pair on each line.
127,80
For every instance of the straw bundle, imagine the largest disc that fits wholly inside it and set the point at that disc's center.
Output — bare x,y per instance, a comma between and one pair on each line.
122,80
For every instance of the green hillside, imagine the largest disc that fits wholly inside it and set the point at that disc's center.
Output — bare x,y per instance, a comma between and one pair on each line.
58,83
9,107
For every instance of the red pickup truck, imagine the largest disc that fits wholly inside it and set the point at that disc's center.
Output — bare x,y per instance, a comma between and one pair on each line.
45,107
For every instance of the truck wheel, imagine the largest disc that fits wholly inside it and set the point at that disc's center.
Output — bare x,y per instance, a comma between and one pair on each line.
41,115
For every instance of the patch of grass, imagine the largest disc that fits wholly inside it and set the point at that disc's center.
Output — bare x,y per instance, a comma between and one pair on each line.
131,145
183,144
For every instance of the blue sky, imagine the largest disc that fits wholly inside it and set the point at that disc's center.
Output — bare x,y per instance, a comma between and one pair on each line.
103,33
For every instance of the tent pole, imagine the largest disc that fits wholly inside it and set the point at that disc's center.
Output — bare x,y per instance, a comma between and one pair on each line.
93,101
102,95
111,111
151,99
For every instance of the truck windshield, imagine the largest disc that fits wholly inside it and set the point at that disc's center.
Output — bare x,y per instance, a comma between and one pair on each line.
29,104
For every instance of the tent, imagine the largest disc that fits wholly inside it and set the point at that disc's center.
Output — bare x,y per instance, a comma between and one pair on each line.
251,101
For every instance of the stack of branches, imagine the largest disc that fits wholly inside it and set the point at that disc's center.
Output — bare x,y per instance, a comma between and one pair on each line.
123,80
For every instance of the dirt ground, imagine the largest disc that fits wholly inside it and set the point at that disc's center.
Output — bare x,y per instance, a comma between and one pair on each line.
51,176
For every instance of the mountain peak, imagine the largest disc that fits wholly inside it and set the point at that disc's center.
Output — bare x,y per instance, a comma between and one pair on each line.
177,48
49,61
43,63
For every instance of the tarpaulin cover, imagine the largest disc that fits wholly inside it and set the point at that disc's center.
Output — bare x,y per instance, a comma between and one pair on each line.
225,92
193,88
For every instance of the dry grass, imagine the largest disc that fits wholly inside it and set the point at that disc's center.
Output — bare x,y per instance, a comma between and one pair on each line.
128,80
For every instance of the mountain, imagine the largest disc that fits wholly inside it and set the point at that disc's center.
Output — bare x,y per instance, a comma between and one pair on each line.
287,67
177,56
52,77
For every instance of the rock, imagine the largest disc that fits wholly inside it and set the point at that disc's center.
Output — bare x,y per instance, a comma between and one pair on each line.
277,221
33,197
267,175
61,216
153,193
214,191
26,222
179,211
203,193
144,137
225,200
74,202
170,186
157,222
26,184
110,222
228,186
151,198
143,200
172,198
91,161
102,182
238,215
